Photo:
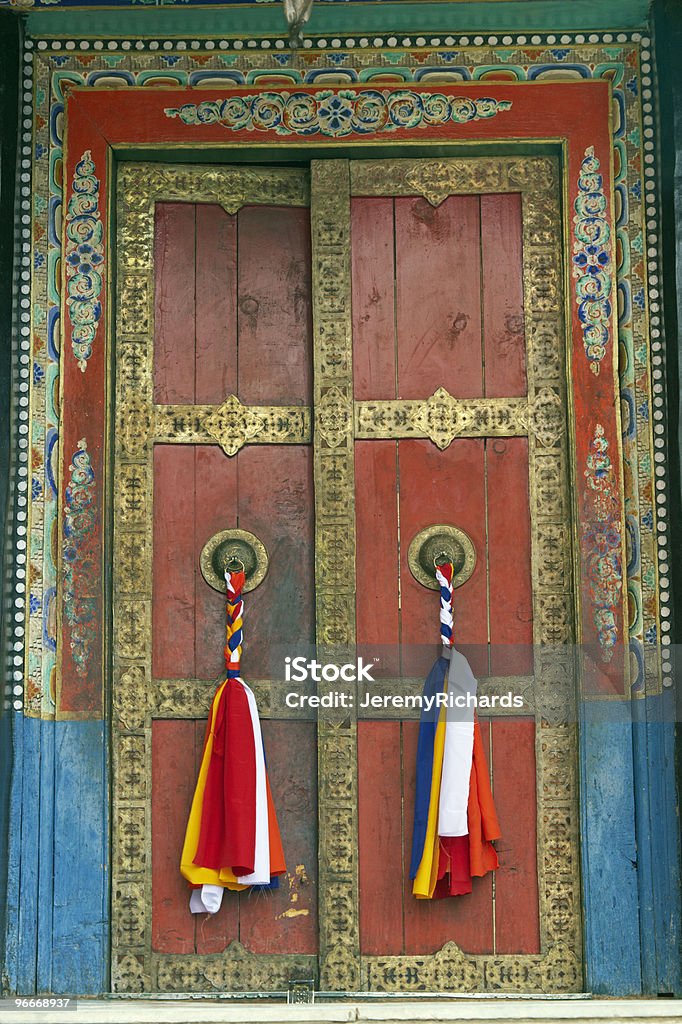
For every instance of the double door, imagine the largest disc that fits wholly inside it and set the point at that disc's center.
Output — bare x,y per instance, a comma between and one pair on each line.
335,358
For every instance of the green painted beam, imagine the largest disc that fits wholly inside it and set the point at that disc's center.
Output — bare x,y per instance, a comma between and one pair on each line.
343,18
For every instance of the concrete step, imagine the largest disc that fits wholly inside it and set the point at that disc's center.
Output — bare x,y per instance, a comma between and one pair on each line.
576,1010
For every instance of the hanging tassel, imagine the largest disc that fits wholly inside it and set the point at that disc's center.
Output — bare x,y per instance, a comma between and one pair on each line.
455,821
232,839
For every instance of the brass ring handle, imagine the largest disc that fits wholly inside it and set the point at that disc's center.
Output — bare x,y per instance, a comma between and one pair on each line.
233,546
438,543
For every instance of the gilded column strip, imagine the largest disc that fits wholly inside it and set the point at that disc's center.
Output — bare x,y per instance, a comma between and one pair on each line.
335,569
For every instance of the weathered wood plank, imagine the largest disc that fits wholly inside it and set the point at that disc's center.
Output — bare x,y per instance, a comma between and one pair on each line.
509,567
174,562
380,839
215,311
173,781
373,298
501,265
517,928
274,306
438,301
80,936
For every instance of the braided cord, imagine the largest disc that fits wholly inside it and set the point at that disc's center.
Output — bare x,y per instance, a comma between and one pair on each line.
444,575
235,623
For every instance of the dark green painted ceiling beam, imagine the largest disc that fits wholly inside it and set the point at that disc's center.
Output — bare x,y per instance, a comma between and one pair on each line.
343,18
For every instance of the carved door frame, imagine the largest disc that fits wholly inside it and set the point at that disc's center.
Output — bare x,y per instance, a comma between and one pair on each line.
338,421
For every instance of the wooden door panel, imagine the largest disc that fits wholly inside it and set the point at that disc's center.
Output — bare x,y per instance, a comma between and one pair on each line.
438,297
232,305
509,556
438,302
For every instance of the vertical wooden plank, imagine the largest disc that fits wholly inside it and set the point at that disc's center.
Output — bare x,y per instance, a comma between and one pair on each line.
174,564
380,838
609,850
48,841
80,921
276,503
216,304
174,303
376,518
517,926
174,774
275,318
466,920
285,919
215,508
509,567
502,280
373,298
442,487
214,933
438,283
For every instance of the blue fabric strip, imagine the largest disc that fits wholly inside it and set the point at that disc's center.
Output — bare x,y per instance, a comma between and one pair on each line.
427,735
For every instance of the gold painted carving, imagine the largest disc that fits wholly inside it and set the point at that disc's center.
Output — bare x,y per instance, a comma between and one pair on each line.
333,450
435,180
232,425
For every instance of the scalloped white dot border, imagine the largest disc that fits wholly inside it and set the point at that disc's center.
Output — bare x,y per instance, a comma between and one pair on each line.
16,594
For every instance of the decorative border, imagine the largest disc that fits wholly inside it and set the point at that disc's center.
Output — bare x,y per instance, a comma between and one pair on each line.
84,258
52,66
602,530
80,568
592,267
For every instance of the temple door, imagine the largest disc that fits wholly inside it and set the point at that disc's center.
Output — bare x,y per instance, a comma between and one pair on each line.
335,361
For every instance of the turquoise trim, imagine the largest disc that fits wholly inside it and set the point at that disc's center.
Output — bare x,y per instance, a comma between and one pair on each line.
353,18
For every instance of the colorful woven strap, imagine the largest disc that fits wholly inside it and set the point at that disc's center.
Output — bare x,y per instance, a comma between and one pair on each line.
235,623
444,575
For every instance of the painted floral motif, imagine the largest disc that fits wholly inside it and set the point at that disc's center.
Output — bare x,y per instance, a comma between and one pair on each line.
592,260
84,259
602,535
337,114
80,570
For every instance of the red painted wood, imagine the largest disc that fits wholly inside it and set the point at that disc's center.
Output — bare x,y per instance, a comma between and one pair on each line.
276,503
380,838
216,304
214,934
517,928
502,280
373,297
511,594
174,563
285,920
173,780
174,247
274,308
215,508
438,297
82,408
442,487
376,518
466,920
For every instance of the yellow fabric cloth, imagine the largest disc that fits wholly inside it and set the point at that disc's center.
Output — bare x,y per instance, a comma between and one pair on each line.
427,873
197,875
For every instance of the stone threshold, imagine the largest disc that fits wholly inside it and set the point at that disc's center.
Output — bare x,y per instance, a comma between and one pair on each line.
540,1010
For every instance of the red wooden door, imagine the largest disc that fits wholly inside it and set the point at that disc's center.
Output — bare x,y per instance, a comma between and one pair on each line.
411,311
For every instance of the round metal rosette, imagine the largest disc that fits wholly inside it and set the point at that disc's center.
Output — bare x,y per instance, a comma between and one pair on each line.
232,549
437,544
